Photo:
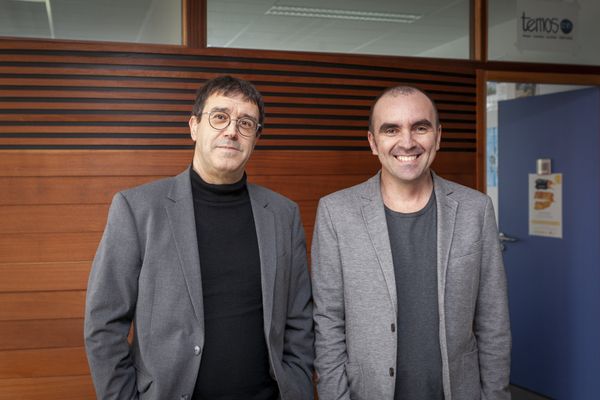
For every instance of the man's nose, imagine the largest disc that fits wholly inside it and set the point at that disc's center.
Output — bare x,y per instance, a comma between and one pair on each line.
405,139
231,130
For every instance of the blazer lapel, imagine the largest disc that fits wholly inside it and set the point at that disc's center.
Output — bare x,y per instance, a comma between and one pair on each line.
264,221
180,212
374,216
446,217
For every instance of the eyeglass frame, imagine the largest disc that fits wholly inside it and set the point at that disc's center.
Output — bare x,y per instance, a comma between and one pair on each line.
256,133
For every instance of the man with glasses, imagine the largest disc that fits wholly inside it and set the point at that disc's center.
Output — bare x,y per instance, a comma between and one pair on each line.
210,270
408,281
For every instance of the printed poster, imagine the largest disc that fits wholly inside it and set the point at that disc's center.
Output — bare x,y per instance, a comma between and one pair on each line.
545,205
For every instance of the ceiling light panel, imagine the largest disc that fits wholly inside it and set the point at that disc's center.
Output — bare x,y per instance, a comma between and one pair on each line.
311,12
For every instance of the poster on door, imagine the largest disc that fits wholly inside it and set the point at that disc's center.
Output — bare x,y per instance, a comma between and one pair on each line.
545,205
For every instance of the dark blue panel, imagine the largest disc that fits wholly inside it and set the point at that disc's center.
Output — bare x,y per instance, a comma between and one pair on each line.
554,284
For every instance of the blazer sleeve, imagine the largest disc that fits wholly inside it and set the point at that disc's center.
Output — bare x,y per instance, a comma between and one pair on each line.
298,345
110,305
329,314
492,325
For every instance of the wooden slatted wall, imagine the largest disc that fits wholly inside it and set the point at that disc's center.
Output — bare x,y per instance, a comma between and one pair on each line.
79,122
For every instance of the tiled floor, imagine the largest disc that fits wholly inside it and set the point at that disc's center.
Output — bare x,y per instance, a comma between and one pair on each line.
522,394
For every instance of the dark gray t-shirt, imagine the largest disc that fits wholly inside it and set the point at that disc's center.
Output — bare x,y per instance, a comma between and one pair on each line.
413,241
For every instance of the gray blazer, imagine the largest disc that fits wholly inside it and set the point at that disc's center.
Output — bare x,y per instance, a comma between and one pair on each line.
147,270
355,296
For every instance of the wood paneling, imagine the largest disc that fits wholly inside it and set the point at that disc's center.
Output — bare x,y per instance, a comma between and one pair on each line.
44,276
48,247
66,361
65,190
41,305
57,333
81,121
59,388
309,96
155,163
93,190
53,218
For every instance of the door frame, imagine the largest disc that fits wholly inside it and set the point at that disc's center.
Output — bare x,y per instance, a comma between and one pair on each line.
484,76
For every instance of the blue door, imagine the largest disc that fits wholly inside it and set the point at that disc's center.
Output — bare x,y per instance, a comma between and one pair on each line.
554,284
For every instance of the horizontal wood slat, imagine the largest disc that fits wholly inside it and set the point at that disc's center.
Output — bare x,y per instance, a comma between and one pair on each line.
156,163
71,218
65,190
159,88
379,82
94,190
162,63
48,276
43,363
41,305
185,143
54,388
23,47
53,218
48,333
273,112
153,164
48,247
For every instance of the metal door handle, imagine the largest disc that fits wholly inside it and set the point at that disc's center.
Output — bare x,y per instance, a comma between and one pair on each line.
506,239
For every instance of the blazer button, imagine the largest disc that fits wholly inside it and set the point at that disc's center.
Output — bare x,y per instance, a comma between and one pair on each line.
393,327
196,350
185,397
391,371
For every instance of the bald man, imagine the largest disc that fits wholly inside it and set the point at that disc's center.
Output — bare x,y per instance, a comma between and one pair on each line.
409,286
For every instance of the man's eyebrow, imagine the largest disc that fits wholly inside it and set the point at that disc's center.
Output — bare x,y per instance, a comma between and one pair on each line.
422,122
222,109
384,127
246,115
228,111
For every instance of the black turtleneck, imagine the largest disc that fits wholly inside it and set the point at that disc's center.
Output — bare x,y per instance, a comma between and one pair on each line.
234,358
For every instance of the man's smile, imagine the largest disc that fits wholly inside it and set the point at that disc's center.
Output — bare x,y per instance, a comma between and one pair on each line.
406,158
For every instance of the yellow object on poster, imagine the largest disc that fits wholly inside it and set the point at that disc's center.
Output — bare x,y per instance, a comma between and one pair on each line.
545,205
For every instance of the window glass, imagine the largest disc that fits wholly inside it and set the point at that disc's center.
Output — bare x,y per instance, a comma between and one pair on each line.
547,31
425,28
140,21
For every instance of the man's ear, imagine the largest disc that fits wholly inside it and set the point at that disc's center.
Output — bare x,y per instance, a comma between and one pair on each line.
193,122
439,138
372,143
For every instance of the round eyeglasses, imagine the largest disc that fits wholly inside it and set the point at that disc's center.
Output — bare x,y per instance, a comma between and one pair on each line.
220,120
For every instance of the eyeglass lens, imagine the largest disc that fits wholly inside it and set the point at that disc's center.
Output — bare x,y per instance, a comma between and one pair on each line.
221,120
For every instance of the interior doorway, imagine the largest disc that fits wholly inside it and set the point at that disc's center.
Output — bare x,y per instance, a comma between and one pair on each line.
560,376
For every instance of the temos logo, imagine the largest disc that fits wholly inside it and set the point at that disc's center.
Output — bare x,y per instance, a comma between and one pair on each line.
549,25
545,25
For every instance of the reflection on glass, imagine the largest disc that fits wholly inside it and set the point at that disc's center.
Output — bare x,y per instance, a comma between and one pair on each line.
386,27
139,21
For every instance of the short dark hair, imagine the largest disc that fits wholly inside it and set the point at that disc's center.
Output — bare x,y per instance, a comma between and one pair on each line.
404,91
227,85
